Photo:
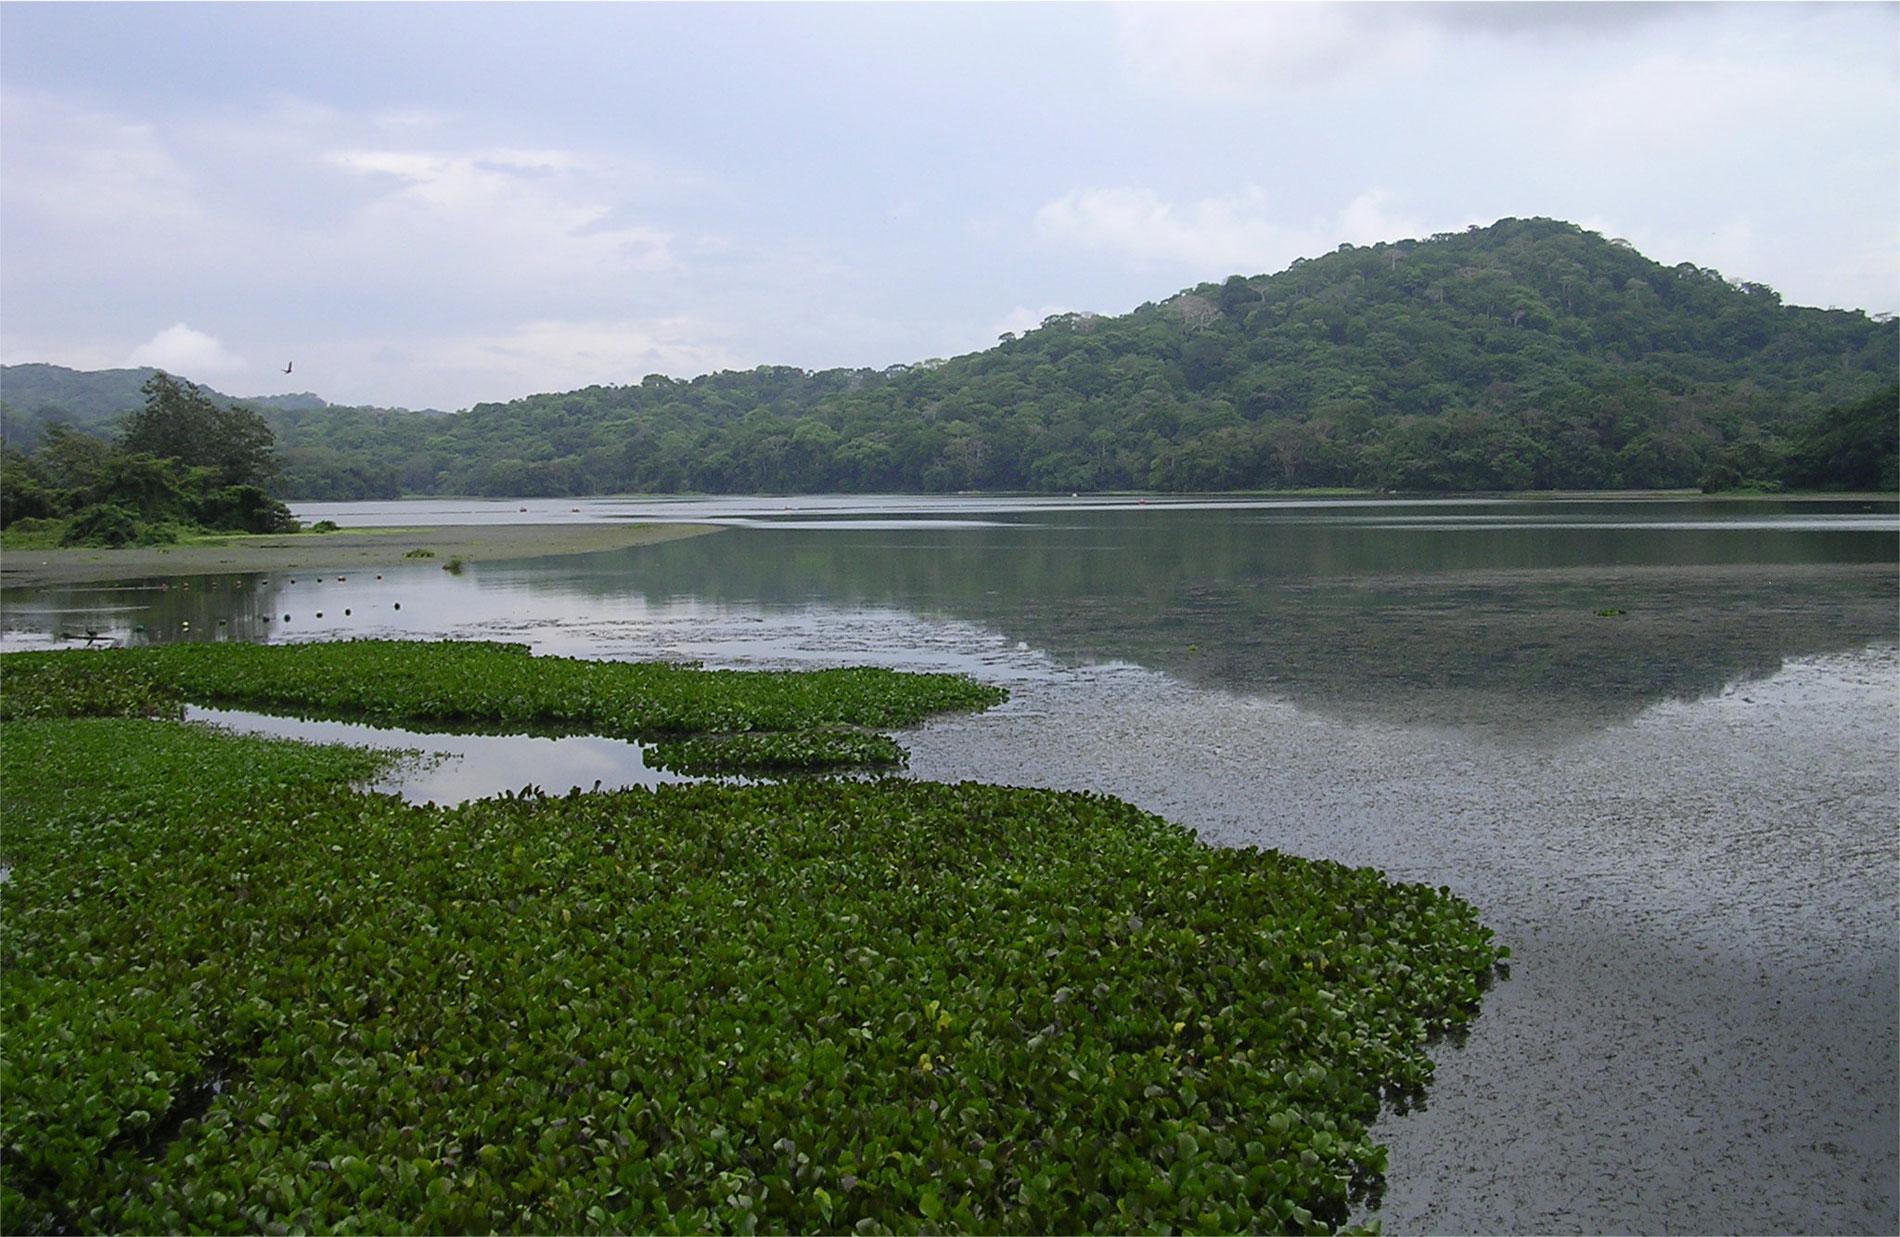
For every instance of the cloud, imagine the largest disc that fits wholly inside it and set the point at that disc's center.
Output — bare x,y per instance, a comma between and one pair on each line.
538,215
307,226
1237,51
521,359
93,171
1225,234
1673,103
1232,51
180,350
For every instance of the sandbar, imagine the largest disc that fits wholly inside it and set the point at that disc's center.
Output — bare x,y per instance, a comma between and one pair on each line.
349,547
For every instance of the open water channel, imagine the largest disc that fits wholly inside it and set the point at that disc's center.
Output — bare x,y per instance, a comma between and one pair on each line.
1656,742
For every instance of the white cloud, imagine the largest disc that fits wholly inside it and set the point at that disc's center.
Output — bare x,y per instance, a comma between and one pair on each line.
1230,51
531,215
181,350
89,171
605,352
282,218
1678,105
521,359
1237,233
1225,52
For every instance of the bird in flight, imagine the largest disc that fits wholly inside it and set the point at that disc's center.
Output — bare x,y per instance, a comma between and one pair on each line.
287,365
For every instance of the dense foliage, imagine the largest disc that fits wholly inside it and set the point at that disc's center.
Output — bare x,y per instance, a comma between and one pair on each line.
239,996
717,720
1854,448
183,464
1527,355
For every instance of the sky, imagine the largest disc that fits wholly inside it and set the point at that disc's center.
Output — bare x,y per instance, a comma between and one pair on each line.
436,205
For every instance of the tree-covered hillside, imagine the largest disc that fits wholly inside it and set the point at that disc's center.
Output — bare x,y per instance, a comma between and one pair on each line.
1530,354
35,397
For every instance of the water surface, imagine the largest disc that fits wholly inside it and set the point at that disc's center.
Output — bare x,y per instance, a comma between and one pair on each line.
1655,742
446,768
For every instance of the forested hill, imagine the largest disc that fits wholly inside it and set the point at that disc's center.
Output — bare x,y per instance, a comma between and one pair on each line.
1530,354
34,396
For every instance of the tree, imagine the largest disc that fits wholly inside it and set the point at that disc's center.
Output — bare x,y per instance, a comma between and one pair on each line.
179,422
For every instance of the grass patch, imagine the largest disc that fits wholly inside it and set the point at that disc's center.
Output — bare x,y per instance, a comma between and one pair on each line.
240,996
397,681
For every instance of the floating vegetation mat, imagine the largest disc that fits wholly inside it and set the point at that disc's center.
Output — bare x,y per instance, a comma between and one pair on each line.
738,721
239,996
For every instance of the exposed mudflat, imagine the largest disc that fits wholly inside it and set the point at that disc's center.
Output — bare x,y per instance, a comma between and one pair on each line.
345,548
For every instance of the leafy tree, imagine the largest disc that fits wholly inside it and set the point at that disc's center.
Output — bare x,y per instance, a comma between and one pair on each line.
180,422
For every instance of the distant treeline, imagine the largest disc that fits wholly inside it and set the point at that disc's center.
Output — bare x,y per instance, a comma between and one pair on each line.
1528,355
183,464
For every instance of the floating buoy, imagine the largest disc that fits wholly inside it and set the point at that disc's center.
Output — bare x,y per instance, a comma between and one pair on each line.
399,605
186,624
221,622
379,577
319,614
339,579
346,613
286,618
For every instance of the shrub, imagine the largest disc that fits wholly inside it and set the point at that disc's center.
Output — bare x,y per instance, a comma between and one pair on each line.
112,525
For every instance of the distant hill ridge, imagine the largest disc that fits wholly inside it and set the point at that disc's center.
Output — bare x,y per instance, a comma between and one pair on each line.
37,394
1528,354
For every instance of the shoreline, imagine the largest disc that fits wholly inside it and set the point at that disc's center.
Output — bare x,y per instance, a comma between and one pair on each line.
345,548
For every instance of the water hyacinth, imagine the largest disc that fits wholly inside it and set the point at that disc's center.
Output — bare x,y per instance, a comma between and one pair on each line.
406,681
778,752
240,995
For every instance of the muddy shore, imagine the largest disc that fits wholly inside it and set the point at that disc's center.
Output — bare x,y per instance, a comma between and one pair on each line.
350,547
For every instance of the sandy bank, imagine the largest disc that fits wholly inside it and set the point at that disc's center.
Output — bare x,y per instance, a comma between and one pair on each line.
352,547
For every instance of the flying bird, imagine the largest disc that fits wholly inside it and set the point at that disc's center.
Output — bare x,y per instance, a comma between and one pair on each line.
287,365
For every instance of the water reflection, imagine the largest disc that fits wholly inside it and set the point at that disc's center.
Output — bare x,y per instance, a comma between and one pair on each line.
454,768
1514,616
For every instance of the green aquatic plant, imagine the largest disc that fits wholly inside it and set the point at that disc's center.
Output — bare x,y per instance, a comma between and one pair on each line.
453,566
448,682
420,552
419,680
777,752
239,995
67,685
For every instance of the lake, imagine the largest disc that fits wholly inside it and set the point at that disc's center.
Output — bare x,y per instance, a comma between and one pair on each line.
1655,741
